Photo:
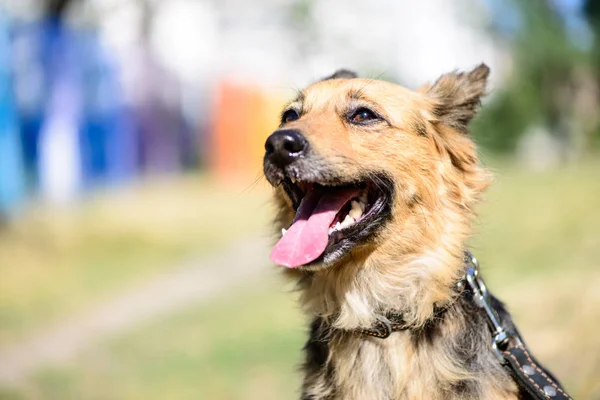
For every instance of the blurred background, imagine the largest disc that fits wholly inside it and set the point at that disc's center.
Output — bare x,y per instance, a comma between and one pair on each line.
135,222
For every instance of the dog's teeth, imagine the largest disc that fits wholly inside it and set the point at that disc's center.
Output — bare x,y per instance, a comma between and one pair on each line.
363,199
355,214
347,222
356,211
283,231
293,180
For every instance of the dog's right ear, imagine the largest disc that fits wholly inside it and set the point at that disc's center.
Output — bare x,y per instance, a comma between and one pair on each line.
341,74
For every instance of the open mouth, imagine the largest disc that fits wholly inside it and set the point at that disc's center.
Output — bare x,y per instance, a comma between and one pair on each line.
331,219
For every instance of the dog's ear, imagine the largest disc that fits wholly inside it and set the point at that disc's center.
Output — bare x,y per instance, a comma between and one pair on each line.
457,96
341,74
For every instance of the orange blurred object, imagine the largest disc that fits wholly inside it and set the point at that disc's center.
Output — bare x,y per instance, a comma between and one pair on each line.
244,117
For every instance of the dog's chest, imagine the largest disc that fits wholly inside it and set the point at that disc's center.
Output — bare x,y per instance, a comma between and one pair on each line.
371,368
395,368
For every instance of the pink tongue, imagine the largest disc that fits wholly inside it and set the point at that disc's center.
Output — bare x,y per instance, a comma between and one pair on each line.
307,238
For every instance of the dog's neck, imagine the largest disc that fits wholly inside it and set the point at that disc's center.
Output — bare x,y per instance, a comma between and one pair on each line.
360,294
355,293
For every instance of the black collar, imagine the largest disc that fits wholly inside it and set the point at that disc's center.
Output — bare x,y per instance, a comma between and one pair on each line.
393,321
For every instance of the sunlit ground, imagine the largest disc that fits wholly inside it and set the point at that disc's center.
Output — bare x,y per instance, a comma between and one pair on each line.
58,260
538,239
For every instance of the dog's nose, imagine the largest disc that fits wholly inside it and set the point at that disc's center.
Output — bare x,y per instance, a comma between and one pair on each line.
284,146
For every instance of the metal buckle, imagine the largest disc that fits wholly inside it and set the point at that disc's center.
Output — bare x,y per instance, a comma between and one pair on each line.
481,296
385,327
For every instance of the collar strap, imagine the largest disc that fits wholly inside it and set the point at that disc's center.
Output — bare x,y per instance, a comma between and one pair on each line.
394,321
384,326
534,381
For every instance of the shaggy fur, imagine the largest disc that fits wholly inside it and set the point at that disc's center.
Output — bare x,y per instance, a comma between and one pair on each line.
412,260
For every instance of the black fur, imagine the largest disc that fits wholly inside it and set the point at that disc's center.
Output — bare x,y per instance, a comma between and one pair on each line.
316,348
316,352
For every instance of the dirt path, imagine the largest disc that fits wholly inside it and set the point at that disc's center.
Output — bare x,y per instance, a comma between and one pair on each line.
195,281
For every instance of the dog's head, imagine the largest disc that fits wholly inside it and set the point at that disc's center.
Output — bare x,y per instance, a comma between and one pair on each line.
359,163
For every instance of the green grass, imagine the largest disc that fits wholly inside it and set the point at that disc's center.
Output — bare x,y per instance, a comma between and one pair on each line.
538,239
56,261
532,223
243,348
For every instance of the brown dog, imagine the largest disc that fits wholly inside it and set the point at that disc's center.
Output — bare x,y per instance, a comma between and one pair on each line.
376,185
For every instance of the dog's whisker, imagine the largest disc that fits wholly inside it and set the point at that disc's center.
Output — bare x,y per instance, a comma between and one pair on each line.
259,176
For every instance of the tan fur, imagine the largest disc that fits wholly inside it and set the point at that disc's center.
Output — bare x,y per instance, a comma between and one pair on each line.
414,262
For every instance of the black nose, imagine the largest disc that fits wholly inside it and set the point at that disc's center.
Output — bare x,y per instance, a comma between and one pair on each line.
285,146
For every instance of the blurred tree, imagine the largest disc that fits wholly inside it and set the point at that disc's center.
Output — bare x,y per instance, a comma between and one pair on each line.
56,8
547,77
591,10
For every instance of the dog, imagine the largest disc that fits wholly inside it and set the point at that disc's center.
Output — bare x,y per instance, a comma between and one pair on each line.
375,186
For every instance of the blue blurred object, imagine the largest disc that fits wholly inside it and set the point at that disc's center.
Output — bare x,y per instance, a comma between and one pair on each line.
31,86
11,166
75,129
69,125
108,146
60,169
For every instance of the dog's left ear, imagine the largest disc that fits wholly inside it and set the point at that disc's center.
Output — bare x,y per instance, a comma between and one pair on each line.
341,74
457,96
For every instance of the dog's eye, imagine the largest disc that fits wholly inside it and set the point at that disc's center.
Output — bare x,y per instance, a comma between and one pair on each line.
363,115
289,116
